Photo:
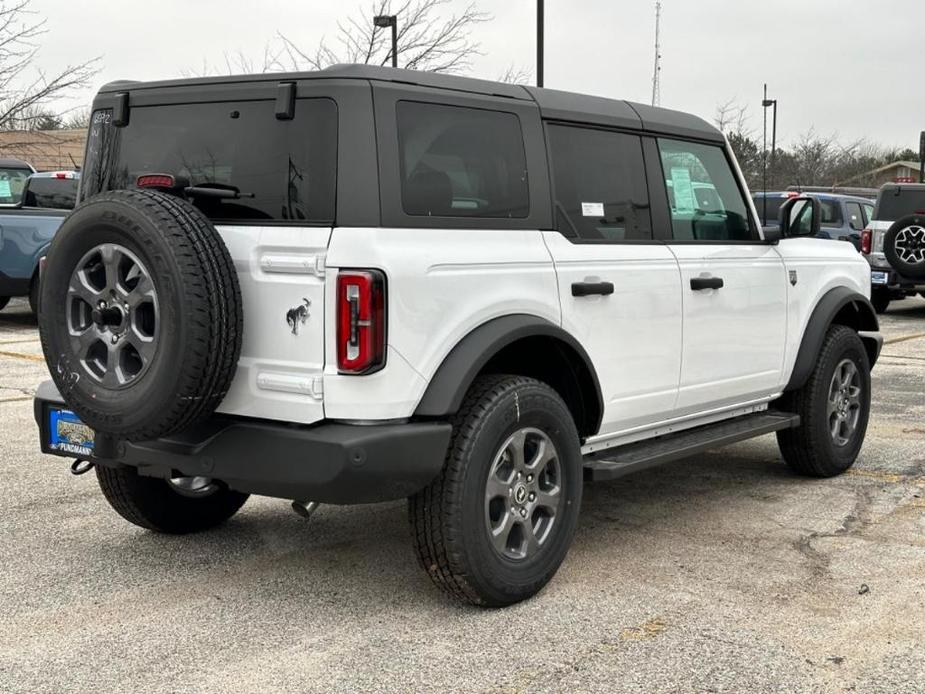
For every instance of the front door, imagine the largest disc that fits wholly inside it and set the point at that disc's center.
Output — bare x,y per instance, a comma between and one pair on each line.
620,291
734,286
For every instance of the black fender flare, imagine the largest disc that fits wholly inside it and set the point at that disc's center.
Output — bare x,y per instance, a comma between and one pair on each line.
447,388
862,317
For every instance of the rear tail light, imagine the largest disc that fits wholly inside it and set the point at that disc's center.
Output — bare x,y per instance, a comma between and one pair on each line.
866,241
155,181
361,321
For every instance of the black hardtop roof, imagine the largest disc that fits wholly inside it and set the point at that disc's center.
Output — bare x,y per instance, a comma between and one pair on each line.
553,104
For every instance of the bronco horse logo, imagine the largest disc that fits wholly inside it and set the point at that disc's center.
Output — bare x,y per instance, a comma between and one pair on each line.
298,315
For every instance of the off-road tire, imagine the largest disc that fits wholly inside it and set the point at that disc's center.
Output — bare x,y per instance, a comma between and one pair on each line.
910,264
151,503
880,300
200,314
809,449
448,523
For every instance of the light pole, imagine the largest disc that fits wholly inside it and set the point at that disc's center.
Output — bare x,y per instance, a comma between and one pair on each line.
539,43
765,103
389,20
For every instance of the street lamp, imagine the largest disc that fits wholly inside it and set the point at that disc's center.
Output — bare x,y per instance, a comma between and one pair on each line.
765,103
539,43
389,20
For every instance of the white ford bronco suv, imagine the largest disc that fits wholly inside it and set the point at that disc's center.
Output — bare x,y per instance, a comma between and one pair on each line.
363,284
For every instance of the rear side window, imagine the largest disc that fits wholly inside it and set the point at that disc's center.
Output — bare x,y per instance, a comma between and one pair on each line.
855,216
284,170
51,193
706,202
600,184
461,162
831,213
12,182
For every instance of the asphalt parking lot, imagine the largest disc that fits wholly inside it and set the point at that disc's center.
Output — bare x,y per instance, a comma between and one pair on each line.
719,573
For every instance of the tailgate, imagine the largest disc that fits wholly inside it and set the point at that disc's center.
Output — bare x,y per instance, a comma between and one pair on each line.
281,272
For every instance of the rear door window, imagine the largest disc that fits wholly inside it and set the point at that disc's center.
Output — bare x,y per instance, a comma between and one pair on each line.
705,199
461,162
855,215
831,213
283,170
599,179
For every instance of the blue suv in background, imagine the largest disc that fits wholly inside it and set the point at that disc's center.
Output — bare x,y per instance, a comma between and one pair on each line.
32,207
844,217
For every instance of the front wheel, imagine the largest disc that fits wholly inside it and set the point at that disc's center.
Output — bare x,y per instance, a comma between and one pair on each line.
177,506
834,407
495,525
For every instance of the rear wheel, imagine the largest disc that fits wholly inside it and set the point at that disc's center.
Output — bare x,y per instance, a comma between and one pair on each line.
177,506
496,524
834,407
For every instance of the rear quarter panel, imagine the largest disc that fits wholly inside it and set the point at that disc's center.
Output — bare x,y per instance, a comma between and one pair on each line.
442,284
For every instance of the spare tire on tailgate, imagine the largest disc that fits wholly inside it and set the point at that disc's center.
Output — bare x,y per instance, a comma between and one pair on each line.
904,246
141,314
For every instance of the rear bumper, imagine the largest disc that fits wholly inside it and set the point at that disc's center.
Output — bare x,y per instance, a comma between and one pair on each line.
895,282
327,462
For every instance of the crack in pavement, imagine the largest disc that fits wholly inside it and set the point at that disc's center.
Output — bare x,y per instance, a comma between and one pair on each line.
855,520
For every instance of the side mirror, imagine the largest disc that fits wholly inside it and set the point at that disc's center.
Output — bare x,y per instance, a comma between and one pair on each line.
801,216
772,235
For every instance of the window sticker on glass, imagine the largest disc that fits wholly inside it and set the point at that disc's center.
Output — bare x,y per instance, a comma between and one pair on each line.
683,190
592,209
5,190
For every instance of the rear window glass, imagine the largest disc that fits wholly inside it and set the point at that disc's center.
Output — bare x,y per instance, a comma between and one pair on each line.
461,162
11,185
894,203
284,170
52,193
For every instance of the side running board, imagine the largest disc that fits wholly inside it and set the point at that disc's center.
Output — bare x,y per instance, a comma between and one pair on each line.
616,462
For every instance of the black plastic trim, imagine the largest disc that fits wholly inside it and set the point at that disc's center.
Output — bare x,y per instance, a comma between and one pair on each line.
821,318
447,388
14,286
328,462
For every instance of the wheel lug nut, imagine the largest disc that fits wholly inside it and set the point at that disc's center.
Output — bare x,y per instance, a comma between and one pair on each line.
115,339
529,478
532,496
523,513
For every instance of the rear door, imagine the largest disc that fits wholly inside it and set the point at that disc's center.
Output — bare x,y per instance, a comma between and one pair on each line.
277,230
733,285
620,290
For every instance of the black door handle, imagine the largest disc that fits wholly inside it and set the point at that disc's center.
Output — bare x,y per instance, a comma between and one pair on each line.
699,283
589,288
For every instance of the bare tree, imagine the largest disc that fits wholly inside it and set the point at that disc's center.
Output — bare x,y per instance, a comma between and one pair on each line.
428,39
732,117
23,91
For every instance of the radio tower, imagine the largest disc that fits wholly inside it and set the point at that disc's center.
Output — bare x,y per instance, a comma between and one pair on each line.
656,76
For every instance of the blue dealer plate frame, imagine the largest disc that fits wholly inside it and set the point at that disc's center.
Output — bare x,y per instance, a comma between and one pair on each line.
64,434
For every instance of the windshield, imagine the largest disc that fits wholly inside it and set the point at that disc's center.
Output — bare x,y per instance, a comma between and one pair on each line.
284,170
894,203
12,182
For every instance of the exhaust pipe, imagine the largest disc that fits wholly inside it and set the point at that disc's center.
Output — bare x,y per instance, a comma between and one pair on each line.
305,508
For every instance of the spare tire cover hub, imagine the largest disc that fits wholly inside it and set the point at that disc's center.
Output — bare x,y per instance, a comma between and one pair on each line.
112,315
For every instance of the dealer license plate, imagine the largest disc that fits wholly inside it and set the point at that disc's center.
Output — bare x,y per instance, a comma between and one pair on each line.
66,434
878,278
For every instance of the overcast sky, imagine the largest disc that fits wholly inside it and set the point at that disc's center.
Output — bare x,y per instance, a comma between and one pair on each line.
851,67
